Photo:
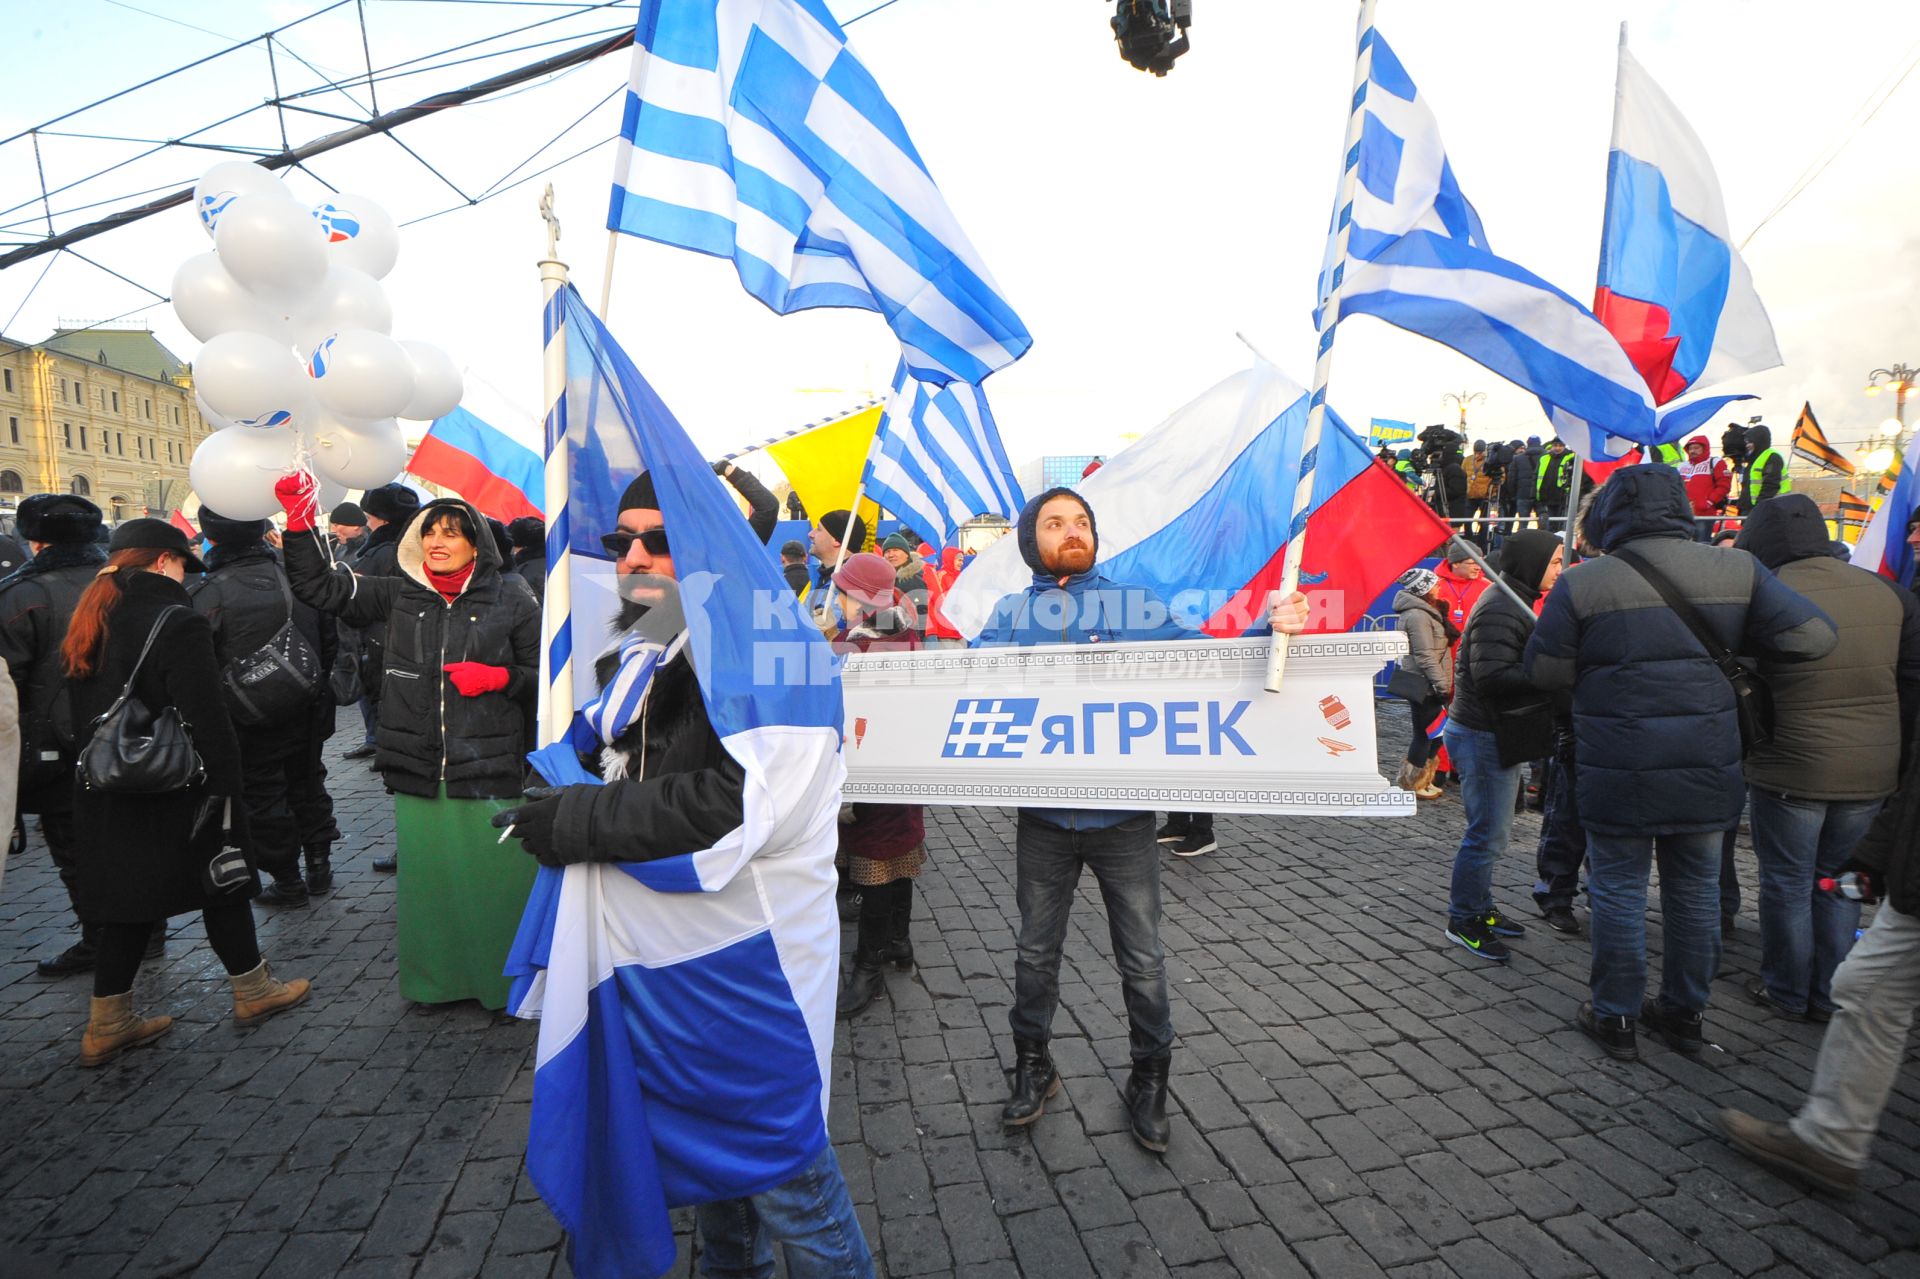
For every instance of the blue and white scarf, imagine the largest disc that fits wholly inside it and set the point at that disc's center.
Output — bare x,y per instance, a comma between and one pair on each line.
613,710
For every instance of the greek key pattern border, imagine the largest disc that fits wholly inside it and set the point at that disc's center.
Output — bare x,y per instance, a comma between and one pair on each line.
1077,795
1382,644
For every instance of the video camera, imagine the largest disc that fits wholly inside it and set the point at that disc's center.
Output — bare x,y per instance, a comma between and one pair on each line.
1152,33
1437,443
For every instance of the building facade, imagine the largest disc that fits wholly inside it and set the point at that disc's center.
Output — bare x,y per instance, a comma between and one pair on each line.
104,412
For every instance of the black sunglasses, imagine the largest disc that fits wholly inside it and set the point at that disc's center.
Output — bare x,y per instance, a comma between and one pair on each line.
619,543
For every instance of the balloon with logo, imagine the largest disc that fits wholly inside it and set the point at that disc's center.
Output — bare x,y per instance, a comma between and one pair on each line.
269,244
234,470
226,182
358,454
357,233
348,298
436,382
251,380
358,373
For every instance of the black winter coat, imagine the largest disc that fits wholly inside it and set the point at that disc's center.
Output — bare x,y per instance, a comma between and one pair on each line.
377,557
428,732
1490,684
531,568
142,856
36,604
1891,846
245,596
674,788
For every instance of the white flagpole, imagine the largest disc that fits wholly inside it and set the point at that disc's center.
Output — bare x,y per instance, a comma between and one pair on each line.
556,682
1329,319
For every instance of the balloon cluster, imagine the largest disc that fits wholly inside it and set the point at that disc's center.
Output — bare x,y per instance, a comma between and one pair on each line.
298,364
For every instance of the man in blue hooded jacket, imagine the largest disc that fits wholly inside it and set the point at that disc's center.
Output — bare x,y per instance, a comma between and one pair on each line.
1072,602
1657,737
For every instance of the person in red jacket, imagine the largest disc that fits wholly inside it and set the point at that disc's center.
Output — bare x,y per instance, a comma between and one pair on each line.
1461,584
940,631
1709,483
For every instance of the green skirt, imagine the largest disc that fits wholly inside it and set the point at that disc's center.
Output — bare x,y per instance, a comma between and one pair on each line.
459,898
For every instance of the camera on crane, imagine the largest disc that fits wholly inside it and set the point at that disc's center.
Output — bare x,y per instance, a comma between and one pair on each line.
1152,33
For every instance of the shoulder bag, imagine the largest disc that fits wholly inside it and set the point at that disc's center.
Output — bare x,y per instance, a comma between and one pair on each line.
280,677
133,750
1752,698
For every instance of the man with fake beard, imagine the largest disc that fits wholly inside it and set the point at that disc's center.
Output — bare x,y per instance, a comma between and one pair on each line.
673,788
1072,602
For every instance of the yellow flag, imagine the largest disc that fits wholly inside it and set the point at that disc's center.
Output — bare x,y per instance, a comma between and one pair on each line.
824,465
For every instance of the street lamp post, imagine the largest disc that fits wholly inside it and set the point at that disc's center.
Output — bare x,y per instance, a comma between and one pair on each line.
1461,399
1886,442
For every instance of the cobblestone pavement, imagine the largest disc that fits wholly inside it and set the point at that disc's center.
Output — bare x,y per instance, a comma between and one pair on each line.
1353,1095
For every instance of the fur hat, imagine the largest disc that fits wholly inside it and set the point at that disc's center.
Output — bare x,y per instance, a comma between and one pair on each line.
394,503
529,533
221,531
58,518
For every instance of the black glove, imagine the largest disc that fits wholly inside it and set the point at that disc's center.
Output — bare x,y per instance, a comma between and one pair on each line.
720,468
533,825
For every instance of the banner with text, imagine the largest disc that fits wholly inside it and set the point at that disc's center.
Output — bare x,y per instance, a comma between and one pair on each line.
1384,430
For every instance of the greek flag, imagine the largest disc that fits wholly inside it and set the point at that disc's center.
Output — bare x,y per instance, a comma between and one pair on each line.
752,132
686,1003
937,460
1418,258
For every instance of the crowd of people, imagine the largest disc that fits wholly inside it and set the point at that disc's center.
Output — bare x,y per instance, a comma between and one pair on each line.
1633,683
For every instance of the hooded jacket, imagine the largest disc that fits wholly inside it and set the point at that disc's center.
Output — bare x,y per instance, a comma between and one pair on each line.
940,580
429,734
1708,479
1429,639
1654,724
1837,719
1079,608
37,601
1490,681
1763,475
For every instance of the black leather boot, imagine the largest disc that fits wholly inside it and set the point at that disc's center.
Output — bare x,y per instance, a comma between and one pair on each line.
77,958
1034,1080
868,976
899,916
319,871
287,889
1147,1102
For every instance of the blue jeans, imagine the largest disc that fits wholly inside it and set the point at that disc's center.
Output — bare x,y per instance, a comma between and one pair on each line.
1804,933
369,719
1126,862
1617,868
1563,840
810,1214
1489,791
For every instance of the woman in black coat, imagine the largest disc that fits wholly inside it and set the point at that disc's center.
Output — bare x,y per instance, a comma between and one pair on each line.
144,858
462,669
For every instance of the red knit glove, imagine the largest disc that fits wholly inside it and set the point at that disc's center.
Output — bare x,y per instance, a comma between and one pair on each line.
475,678
298,495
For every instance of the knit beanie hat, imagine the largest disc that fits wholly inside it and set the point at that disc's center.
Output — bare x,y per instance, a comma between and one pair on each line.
1419,581
896,543
1457,553
349,514
868,578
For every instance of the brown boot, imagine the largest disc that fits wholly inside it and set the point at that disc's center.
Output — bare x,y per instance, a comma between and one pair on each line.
258,995
113,1027
1409,778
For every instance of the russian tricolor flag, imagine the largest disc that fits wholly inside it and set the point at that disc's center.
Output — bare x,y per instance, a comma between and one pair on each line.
1883,543
1199,511
1672,288
499,475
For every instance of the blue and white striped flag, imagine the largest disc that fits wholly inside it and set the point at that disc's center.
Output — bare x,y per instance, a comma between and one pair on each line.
937,460
752,132
686,1003
1418,258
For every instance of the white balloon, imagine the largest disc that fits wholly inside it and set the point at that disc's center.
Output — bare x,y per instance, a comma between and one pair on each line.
234,470
436,382
358,233
358,454
228,181
209,301
360,373
328,494
250,380
346,299
272,248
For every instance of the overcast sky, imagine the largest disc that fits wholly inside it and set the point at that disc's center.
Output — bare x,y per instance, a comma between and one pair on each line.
1135,223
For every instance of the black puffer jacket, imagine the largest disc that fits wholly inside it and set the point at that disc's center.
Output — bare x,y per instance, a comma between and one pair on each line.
36,604
672,788
377,557
1891,846
244,595
1490,684
428,732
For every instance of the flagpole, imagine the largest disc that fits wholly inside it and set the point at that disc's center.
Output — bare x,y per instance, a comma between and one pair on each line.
556,681
1329,319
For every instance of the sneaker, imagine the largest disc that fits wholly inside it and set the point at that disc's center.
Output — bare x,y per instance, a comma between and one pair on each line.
1777,1147
1679,1029
1615,1034
1193,845
366,750
387,865
1758,992
1562,920
1500,926
1476,937
1169,834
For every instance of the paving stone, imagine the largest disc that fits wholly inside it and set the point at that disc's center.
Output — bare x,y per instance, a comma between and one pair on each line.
1045,1243
1179,1233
